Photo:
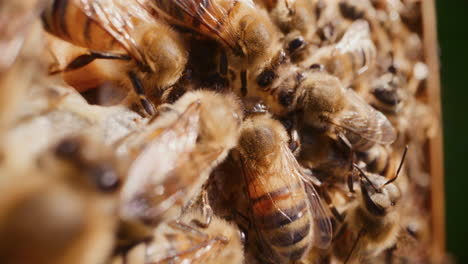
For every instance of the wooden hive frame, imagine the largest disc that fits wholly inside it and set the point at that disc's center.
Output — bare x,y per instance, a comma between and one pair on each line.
436,159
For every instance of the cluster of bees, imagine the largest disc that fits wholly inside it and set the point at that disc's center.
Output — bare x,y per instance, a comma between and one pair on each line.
213,131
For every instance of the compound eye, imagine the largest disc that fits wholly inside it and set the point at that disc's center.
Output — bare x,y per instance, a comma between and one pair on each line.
317,67
296,44
266,78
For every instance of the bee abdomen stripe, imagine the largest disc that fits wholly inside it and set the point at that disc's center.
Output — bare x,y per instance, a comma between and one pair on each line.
288,237
281,217
61,6
295,254
275,194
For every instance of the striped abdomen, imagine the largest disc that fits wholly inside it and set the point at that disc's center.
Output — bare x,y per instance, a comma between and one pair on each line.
281,216
66,20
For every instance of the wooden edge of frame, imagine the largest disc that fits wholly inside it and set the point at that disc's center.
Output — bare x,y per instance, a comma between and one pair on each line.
436,156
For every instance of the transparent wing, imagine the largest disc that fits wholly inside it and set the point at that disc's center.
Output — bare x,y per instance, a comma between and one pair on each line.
323,231
357,42
362,119
119,18
146,190
206,17
353,37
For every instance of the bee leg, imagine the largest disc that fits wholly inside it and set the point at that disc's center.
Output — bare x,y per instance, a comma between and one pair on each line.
389,255
86,59
163,108
339,217
177,224
223,69
350,182
138,86
207,211
243,76
345,141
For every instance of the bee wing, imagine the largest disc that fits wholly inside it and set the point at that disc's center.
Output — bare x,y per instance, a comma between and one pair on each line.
323,231
354,35
153,165
119,18
356,42
288,184
207,17
362,119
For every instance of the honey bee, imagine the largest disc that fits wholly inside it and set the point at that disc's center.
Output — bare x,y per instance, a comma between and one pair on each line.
173,156
64,210
352,56
182,241
147,52
286,212
326,105
372,225
250,39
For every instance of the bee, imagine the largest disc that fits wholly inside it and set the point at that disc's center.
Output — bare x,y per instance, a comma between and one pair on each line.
330,107
147,53
250,39
174,154
372,224
286,212
325,105
349,58
182,241
62,211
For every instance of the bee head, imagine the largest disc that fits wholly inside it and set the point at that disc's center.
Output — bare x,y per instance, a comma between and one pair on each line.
377,196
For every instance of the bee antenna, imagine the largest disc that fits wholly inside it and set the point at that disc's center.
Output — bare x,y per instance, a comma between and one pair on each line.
399,167
361,172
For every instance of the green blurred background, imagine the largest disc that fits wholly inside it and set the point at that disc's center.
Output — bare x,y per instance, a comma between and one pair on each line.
453,41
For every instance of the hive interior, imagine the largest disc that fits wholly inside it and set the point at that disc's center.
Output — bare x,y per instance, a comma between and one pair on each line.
89,177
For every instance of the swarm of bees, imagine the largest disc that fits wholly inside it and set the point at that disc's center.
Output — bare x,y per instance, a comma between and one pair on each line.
214,131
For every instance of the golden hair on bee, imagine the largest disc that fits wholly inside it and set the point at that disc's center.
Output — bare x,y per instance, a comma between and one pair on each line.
205,126
250,39
182,241
372,223
349,58
287,214
147,53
